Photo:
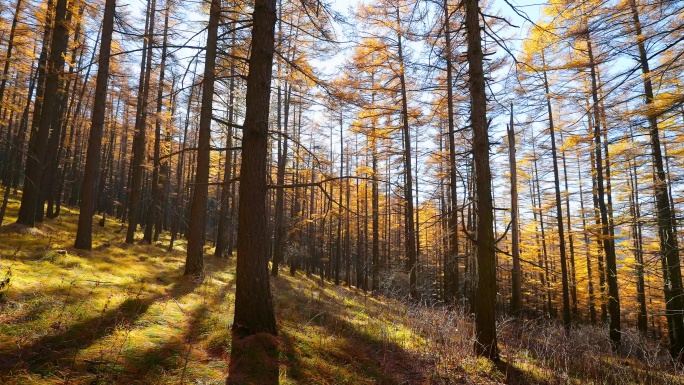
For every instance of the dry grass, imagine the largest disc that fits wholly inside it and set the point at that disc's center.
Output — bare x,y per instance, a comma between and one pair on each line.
125,314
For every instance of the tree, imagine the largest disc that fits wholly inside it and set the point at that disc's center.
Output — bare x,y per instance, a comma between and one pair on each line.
40,133
92,167
516,291
140,135
194,262
485,317
153,210
253,303
669,249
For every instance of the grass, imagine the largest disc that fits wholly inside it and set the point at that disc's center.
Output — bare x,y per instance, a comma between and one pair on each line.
125,314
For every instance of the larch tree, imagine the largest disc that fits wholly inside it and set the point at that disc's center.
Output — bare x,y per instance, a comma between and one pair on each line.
254,311
93,156
485,308
194,262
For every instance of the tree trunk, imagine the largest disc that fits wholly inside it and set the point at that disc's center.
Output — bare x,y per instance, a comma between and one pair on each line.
253,303
544,261
92,167
40,134
8,52
516,274
485,317
279,233
139,138
408,188
375,278
559,207
669,249
154,208
590,280
18,144
225,226
608,241
572,278
194,262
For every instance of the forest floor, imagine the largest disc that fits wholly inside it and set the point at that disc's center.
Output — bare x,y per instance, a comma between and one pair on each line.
125,314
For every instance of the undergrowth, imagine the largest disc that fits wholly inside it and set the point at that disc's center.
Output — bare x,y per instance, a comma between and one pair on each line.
125,314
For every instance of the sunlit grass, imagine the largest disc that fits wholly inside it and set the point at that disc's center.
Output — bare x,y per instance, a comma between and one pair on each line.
125,314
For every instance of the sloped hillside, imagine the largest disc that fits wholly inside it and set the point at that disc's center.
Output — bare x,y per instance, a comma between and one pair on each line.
125,314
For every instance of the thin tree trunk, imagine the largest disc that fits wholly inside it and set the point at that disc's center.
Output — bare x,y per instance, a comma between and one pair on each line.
573,278
279,234
608,241
139,138
194,262
18,144
8,52
669,249
590,280
408,188
559,207
375,279
635,213
154,209
516,273
545,255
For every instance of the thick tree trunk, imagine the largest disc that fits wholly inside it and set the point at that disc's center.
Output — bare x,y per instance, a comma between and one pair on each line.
253,302
92,166
40,133
51,156
485,317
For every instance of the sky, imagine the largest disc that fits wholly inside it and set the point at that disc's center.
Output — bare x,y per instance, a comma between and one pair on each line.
329,66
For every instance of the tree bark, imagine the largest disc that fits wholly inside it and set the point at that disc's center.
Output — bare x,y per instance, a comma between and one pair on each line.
139,137
253,303
194,262
225,226
516,274
8,53
559,207
485,317
408,188
669,248
608,241
154,209
590,280
92,167
279,231
40,134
